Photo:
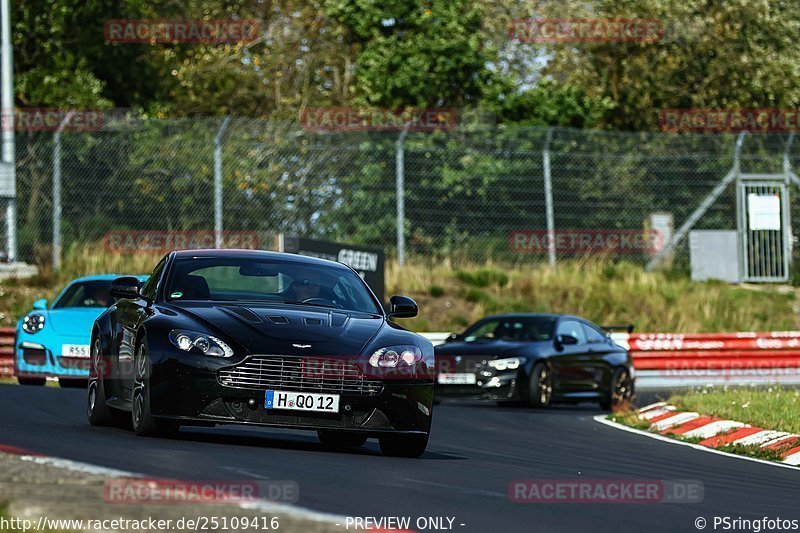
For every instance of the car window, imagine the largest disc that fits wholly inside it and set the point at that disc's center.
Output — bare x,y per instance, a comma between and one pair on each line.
573,328
150,288
517,329
593,334
280,281
86,294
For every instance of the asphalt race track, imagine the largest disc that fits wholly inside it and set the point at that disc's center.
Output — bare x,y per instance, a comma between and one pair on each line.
475,451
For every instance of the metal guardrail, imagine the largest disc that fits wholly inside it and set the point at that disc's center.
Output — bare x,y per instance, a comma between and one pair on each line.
6,351
676,360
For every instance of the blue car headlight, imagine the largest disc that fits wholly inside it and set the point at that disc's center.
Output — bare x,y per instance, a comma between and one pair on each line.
33,323
193,341
509,363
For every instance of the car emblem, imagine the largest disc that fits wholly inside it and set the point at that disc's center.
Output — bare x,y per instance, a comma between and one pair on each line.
301,345
458,359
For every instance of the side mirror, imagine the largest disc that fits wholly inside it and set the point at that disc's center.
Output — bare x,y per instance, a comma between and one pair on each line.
40,304
402,307
453,337
565,340
125,287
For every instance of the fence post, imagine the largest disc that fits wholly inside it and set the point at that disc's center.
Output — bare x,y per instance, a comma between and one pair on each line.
218,183
548,200
7,104
57,192
401,198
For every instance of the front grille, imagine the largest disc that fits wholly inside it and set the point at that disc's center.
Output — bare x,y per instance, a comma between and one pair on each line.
302,374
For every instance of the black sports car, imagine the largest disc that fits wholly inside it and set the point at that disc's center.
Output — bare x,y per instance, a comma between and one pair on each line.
262,338
536,359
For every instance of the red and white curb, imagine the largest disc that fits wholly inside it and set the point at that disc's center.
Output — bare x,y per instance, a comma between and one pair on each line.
715,432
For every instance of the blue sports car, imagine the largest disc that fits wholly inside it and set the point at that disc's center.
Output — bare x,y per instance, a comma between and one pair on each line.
54,341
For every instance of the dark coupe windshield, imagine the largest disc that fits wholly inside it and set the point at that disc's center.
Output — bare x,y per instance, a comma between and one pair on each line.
86,294
513,329
245,279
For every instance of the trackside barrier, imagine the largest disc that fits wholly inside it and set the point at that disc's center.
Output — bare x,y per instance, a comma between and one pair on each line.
677,360
6,351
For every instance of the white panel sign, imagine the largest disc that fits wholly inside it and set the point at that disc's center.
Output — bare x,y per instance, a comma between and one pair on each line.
764,212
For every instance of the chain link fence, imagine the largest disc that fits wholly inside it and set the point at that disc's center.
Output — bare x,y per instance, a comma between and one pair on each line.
469,194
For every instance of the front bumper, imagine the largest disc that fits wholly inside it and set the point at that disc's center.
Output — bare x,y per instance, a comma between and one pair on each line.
493,386
189,388
37,356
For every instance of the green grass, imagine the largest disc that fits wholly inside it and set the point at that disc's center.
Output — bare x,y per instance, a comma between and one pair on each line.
769,408
450,298
604,292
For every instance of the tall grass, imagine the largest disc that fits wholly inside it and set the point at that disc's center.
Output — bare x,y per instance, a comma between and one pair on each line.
450,298
605,292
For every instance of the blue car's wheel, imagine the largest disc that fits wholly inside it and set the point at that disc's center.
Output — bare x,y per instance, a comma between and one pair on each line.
36,382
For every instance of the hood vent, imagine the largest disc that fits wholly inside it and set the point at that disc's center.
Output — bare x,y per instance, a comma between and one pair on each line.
277,319
312,321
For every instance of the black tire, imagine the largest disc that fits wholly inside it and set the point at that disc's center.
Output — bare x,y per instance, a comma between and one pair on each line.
72,383
143,422
97,411
340,440
540,386
403,445
32,382
619,390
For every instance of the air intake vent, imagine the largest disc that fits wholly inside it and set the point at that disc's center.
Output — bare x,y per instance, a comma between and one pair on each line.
312,321
277,319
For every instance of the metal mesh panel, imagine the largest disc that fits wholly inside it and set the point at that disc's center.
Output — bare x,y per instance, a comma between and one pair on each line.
468,191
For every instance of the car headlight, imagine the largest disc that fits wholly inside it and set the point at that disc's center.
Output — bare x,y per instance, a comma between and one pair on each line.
394,356
199,342
33,323
511,363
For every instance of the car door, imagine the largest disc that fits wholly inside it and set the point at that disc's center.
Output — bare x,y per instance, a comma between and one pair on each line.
596,366
130,316
569,360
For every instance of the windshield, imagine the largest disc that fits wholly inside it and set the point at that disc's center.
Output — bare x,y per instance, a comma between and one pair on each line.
86,294
284,282
511,329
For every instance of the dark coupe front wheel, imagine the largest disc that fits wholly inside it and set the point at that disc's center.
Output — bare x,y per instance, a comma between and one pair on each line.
144,424
619,392
340,440
403,445
540,386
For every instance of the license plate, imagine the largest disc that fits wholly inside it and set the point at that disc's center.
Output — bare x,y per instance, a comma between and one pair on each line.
457,379
75,350
302,401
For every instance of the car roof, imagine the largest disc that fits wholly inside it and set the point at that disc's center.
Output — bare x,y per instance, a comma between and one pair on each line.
256,254
535,315
107,277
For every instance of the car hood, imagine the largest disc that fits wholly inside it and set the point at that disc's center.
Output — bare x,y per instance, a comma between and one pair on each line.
73,321
271,329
